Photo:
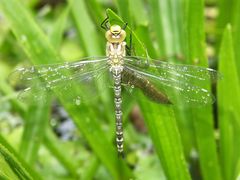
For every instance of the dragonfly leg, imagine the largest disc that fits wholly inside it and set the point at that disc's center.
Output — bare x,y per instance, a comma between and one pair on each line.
124,26
105,24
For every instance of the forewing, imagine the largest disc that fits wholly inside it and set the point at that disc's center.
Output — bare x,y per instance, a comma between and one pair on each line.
190,83
61,79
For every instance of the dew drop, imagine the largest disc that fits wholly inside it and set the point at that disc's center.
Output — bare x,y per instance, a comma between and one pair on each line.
48,85
32,69
23,38
66,65
78,101
185,68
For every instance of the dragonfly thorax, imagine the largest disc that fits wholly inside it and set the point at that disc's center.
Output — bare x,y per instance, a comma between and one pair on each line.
116,52
115,48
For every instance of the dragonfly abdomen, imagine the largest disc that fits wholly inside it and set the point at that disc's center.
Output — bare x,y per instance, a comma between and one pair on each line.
118,110
148,89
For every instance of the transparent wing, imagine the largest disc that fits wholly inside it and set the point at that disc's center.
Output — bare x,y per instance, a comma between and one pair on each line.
51,72
188,82
62,78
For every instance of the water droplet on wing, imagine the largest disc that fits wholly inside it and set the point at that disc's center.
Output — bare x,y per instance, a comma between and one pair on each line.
78,101
23,38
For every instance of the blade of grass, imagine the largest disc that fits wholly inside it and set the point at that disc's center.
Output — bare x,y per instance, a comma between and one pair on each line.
52,143
228,13
229,107
58,28
91,168
158,27
18,171
123,10
142,25
137,6
86,30
34,130
236,32
39,49
170,47
38,114
202,117
21,161
177,27
97,14
162,127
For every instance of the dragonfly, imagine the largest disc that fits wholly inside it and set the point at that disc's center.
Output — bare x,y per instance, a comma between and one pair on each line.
159,81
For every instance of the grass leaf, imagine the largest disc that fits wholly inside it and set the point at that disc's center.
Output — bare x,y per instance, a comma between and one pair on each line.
15,161
229,107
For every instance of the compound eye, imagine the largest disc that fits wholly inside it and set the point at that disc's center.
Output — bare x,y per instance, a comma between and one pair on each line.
115,34
115,29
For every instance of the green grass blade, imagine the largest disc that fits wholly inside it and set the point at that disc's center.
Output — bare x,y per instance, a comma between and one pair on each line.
18,171
39,52
229,108
38,114
139,13
50,141
34,130
97,15
229,13
202,117
86,29
158,27
90,170
58,28
142,26
123,10
166,139
54,146
8,150
236,33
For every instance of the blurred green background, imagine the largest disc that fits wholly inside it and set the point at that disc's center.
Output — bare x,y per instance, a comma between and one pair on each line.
51,140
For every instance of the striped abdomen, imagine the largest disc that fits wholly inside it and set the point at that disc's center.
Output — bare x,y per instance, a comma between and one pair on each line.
149,90
118,111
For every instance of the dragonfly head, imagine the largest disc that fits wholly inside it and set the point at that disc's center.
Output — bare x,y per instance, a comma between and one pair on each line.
115,34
